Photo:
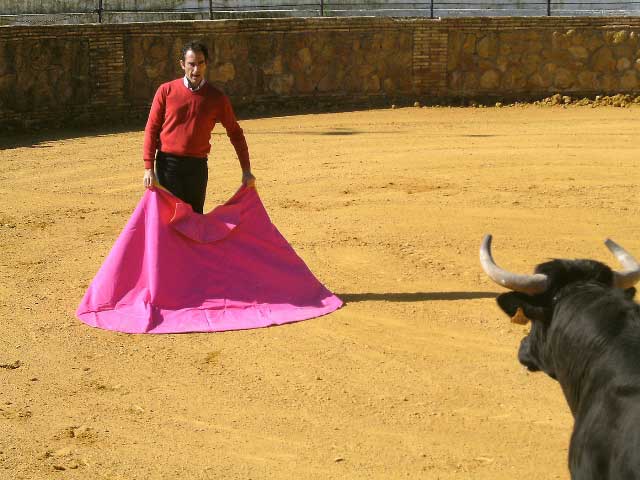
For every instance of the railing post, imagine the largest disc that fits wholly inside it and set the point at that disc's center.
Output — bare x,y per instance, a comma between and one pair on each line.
322,8
210,9
431,9
548,8
99,11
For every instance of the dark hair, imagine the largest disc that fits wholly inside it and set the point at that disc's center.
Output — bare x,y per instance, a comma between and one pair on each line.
196,47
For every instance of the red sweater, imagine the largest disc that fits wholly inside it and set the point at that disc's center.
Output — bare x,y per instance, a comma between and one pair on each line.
181,121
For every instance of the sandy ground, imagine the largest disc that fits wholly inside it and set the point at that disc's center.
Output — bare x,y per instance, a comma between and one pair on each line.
416,377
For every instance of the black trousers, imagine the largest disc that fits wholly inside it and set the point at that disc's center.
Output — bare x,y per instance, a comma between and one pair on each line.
185,177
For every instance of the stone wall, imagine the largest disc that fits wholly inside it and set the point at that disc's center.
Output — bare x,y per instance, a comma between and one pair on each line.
579,61
60,75
41,78
57,75
298,63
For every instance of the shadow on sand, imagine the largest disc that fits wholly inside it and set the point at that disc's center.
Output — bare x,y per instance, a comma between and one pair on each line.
40,138
413,297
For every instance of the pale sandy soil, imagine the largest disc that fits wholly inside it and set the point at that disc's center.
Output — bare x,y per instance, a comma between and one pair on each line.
416,377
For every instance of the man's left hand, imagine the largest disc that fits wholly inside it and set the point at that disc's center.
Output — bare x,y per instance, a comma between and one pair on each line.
248,179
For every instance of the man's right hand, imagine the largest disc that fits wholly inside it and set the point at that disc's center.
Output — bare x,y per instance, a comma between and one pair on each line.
149,178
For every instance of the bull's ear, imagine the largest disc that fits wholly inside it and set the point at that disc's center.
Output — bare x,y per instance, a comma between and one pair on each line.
512,301
630,293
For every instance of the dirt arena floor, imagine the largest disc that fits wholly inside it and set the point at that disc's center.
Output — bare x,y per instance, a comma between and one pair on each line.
416,377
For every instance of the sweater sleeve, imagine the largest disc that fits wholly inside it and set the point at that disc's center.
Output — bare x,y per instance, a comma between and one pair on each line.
153,128
235,133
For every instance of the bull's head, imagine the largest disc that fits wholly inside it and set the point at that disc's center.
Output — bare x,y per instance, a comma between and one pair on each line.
534,297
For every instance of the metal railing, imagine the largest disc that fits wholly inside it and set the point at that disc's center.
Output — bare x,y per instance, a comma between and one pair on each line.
430,9
215,9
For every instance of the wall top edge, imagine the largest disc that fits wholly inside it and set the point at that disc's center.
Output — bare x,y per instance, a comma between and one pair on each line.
294,23
238,22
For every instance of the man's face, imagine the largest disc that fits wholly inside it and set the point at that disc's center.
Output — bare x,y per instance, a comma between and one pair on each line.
194,66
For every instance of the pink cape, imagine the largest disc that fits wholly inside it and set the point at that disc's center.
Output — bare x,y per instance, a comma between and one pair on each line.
172,270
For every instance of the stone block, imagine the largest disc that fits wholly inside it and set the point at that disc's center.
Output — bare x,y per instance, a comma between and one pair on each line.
594,40
504,47
226,72
623,51
517,59
470,82
619,37
154,72
273,66
468,62
281,84
532,64
588,80
608,36
559,41
623,64
490,80
577,39
561,57
302,83
563,78
538,82
502,63
453,61
629,81
372,85
158,52
469,44
509,37
609,83
484,65
534,46
455,81
579,52
602,60
487,46
514,80
304,55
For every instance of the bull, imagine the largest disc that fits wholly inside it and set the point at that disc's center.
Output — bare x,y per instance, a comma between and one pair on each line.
585,333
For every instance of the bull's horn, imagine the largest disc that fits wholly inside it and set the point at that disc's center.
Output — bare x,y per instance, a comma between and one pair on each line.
529,284
631,273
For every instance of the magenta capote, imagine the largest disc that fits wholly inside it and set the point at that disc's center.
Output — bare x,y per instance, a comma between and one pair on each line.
172,270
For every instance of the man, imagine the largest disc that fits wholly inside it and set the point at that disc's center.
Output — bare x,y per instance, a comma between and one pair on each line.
182,116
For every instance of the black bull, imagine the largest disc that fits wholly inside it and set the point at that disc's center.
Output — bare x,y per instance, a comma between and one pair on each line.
585,333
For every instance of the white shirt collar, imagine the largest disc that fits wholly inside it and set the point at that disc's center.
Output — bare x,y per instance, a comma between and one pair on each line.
186,84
